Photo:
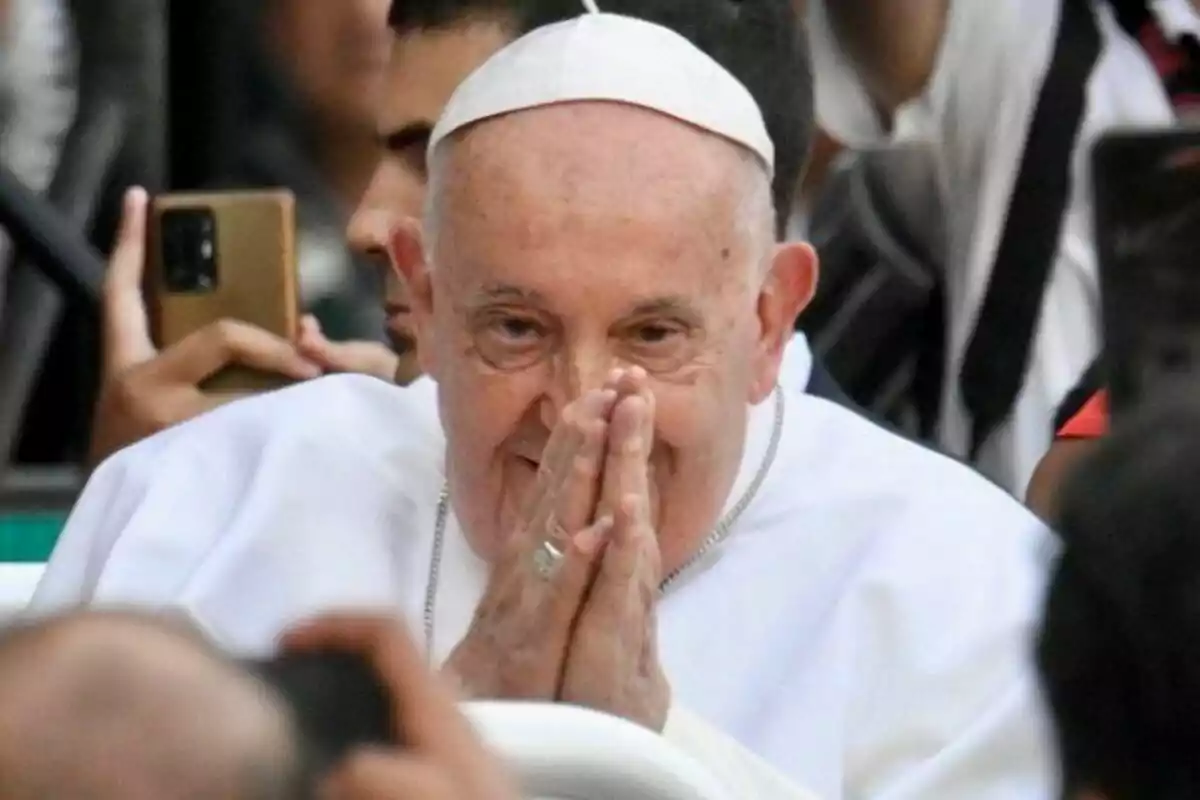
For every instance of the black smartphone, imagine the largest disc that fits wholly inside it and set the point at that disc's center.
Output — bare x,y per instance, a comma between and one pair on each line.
336,703
1146,186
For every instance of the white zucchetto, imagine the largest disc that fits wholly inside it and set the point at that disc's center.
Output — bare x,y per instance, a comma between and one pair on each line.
609,57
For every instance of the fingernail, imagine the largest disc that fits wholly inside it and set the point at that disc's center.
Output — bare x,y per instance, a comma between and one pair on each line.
310,370
588,540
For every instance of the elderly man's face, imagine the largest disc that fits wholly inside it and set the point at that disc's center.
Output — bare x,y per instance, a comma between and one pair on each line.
578,238
424,70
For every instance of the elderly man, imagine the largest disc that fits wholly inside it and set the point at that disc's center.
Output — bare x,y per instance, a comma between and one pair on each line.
612,505
437,44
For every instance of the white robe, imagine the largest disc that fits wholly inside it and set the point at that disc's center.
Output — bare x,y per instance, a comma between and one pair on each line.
864,629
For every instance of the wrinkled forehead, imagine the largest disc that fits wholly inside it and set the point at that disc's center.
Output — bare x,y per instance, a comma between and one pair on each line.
591,190
591,155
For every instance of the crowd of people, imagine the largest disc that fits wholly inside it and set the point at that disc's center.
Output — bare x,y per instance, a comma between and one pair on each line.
594,463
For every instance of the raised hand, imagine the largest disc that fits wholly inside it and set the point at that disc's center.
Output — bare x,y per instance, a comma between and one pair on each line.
144,390
612,661
517,642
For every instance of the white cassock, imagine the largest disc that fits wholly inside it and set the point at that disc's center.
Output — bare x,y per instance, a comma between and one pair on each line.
863,630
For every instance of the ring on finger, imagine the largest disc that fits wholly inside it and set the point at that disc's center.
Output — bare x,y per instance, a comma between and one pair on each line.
546,558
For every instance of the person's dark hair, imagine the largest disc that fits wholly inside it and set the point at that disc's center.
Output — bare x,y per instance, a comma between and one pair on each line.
761,42
1119,649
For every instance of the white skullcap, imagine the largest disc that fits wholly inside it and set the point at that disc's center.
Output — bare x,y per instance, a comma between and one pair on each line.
600,56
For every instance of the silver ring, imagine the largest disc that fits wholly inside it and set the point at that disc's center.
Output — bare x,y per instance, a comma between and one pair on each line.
546,558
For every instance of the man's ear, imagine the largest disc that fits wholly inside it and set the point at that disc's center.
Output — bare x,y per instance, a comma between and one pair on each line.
406,253
788,288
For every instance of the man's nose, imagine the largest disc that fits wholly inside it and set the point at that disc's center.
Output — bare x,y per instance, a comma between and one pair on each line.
367,232
575,374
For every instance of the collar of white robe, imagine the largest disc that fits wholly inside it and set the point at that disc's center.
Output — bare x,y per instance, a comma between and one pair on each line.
608,57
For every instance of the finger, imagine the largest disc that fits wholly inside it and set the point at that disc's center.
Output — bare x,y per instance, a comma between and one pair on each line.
630,572
574,502
423,706
634,380
364,358
555,474
552,453
127,338
627,452
205,352
574,575
627,381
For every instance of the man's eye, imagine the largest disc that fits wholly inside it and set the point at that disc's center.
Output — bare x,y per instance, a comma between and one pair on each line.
515,329
657,334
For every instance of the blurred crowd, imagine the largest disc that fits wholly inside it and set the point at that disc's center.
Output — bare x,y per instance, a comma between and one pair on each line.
937,157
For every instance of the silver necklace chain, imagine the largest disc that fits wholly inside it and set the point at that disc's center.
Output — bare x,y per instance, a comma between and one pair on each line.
718,535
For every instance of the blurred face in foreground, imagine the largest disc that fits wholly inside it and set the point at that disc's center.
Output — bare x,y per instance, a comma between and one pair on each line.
568,240
425,68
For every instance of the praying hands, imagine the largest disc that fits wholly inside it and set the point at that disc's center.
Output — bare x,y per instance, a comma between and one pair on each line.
569,613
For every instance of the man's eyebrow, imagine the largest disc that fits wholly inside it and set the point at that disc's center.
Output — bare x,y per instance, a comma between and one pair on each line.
401,139
667,306
507,293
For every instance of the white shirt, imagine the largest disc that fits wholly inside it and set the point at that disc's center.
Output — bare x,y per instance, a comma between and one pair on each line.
796,370
863,629
974,116
1176,17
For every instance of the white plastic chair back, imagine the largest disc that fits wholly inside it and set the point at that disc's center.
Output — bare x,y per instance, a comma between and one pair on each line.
569,753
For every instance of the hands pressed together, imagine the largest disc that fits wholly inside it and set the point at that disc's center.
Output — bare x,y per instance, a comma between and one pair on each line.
583,630
144,390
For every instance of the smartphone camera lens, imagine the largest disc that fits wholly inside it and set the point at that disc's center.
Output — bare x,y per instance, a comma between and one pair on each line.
189,250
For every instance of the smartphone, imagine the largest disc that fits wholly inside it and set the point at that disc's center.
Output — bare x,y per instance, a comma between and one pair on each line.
223,255
337,703
1146,188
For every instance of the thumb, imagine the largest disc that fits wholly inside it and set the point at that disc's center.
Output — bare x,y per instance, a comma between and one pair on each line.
366,358
126,327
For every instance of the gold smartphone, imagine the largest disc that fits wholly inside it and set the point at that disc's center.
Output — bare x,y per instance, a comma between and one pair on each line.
223,255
